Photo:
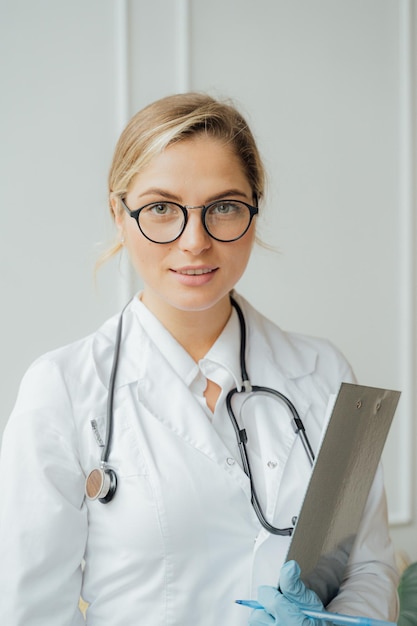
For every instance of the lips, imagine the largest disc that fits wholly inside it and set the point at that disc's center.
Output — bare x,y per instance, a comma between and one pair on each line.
195,276
195,271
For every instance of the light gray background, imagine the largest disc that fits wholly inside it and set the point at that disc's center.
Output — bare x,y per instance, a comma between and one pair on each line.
329,87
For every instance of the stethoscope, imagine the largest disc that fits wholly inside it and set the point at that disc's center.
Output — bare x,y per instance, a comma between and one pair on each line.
101,483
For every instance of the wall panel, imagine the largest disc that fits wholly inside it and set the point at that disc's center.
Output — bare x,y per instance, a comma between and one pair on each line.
57,133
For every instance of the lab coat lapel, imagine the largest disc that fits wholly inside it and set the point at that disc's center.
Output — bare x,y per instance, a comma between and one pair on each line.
130,361
159,389
169,400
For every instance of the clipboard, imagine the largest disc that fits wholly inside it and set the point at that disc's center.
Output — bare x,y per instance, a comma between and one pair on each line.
339,485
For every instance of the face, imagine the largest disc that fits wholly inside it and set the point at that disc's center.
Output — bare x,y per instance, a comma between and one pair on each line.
195,272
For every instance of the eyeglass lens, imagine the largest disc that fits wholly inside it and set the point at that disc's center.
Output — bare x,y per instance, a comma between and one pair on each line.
224,220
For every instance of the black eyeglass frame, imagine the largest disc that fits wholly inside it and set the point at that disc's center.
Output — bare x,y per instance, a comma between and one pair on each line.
253,210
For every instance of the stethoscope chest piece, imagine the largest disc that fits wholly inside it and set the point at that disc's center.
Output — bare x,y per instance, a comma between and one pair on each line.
101,484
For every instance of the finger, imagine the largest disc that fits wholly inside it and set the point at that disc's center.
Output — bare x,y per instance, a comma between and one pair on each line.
283,611
294,589
261,618
290,614
269,598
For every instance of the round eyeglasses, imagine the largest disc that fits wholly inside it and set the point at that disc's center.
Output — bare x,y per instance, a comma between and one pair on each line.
164,222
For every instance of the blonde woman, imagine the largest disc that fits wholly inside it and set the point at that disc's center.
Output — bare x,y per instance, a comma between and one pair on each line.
121,452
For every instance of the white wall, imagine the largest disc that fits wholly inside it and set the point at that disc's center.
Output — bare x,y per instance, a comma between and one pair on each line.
329,87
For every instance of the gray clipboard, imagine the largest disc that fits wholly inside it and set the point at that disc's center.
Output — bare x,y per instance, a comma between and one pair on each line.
342,476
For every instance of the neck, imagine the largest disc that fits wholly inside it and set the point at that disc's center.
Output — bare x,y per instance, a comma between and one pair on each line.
195,331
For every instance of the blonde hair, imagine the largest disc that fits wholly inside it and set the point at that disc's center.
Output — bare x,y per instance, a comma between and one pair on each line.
173,119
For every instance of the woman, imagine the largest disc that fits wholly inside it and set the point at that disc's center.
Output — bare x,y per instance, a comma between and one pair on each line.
168,534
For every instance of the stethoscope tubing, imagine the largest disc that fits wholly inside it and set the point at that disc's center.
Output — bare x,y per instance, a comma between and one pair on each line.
110,398
241,435
242,439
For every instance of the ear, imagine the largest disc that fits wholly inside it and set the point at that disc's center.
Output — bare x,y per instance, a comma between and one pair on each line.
118,217
117,213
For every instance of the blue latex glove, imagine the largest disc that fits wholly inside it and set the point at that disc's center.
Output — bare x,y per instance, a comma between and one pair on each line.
285,608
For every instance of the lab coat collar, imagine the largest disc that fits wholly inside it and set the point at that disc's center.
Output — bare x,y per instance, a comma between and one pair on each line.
103,347
174,353
292,357
223,352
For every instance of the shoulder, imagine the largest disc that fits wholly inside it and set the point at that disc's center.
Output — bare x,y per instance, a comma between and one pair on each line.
68,362
82,368
59,372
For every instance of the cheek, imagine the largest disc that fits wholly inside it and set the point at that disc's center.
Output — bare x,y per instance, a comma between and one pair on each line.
146,257
237,263
244,248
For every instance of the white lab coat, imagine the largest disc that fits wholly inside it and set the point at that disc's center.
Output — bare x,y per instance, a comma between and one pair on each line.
180,540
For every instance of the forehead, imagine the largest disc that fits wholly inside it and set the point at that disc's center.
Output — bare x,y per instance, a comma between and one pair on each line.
200,162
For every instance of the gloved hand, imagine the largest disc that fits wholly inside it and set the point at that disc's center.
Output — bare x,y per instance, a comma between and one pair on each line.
285,608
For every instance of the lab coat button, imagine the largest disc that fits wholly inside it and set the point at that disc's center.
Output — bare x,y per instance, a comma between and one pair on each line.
272,464
230,461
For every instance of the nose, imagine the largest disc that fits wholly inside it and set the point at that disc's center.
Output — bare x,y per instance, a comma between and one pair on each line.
195,238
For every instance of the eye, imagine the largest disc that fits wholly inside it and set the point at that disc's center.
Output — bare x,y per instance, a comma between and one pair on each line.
155,210
161,208
228,208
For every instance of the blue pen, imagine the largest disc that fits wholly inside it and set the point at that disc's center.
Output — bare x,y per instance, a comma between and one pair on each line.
336,618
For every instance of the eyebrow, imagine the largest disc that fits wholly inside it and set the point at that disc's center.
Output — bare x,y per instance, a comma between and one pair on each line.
163,193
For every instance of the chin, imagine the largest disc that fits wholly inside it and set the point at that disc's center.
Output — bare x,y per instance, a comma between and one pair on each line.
199,304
